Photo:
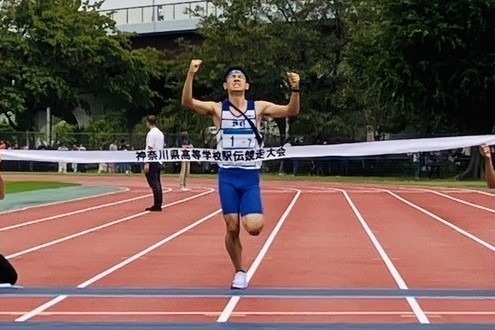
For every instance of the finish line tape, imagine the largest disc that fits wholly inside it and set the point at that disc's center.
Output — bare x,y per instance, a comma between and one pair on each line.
358,149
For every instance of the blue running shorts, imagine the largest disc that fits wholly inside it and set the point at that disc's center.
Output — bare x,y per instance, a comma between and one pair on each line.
240,191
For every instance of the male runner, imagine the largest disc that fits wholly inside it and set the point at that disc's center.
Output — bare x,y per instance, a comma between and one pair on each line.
237,121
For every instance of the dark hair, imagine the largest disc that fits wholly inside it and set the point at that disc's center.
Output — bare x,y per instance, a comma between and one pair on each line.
240,68
151,120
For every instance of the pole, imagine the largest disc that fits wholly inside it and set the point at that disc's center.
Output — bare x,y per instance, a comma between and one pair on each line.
48,126
287,97
286,128
154,10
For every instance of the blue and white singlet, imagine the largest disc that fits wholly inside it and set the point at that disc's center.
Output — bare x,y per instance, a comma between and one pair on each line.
235,135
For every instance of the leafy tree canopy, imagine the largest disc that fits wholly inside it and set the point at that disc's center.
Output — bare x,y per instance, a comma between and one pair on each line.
56,51
270,38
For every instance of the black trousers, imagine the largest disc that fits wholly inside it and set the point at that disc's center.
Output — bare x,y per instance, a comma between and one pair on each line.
153,178
7,271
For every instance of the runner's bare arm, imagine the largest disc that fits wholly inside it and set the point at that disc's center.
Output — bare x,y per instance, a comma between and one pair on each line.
202,107
280,111
489,170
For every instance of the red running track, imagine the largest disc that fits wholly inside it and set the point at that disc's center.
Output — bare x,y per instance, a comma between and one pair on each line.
328,238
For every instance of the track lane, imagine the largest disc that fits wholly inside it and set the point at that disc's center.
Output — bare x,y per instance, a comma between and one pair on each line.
467,311
30,214
324,241
323,245
120,310
195,259
75,260
26,237
427,253
480,197
10,308
478,222
198,259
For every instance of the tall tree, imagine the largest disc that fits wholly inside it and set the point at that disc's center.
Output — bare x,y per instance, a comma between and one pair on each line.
270,38
55,51
429,64
368,60
434,60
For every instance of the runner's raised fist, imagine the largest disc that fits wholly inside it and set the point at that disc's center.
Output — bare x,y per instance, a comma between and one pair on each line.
194,66
293,79
485,151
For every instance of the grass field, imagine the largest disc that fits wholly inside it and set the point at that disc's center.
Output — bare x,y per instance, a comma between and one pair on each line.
20,186
447,182
444,182
169,178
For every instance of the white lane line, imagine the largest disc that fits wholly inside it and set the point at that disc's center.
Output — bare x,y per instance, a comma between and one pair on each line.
66,201
69,237
147,250
62,215
445,222
418,311
462,201
93,229
56,300
276,191
40,308
351,188
229,308
481,192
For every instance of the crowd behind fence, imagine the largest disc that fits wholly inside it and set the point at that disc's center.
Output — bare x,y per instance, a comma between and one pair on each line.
442,164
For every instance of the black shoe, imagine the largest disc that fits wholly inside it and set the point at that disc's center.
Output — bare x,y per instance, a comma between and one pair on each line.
154,209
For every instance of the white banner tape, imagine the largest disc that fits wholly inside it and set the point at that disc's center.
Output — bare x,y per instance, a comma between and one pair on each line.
211,155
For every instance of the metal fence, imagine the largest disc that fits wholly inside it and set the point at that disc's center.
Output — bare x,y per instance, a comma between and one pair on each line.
103,140
160,12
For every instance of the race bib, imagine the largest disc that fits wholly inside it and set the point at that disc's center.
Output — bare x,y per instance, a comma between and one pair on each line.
238,141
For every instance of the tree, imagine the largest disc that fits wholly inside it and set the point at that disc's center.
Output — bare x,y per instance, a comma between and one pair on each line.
56,51
104,130
432,61
429,65
64,134
270,38
373,77
447,59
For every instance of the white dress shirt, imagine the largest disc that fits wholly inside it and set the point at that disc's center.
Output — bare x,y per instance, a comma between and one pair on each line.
155,139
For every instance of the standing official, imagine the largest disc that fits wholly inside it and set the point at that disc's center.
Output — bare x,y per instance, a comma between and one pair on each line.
154,142
185,169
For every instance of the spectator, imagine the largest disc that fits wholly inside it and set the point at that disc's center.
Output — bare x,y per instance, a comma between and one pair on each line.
185,169
161,17
62,166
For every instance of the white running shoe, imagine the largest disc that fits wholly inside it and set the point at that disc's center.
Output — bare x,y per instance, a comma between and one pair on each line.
240,281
